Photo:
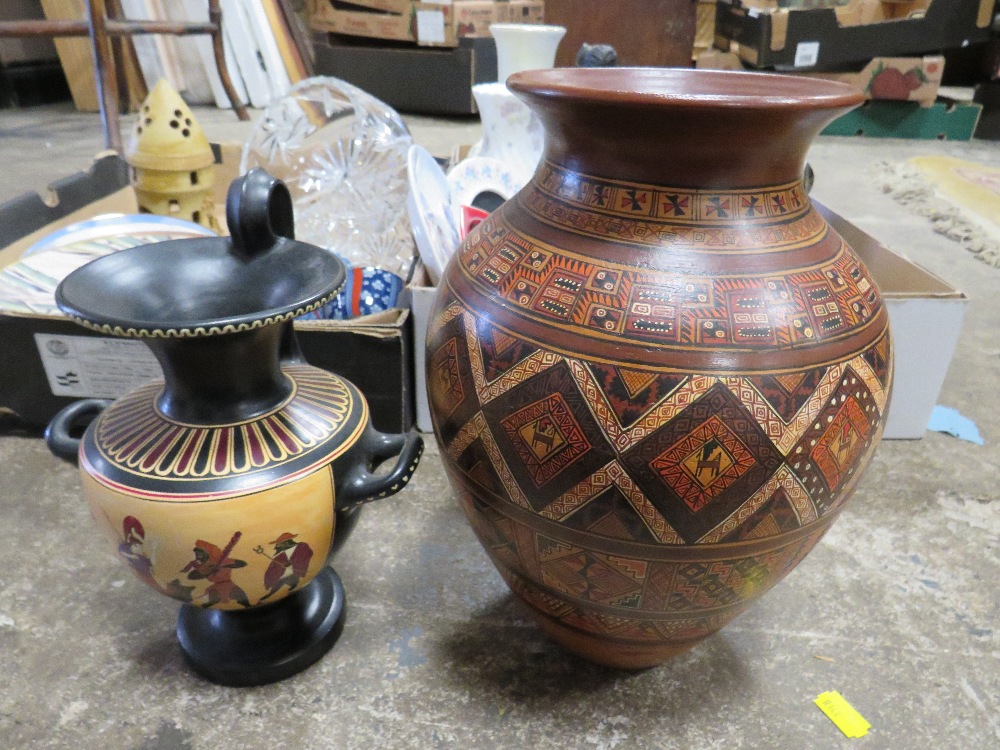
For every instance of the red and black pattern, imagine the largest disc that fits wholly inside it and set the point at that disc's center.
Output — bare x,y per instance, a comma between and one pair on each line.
136,445
642,447
545,471
692,500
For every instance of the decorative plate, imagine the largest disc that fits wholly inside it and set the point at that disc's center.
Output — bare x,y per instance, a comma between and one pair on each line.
429,205
117,225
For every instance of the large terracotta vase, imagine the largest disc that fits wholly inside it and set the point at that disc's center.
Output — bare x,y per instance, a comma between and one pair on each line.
656,373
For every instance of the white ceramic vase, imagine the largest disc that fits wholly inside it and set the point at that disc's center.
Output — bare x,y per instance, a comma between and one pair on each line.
511,132
522,46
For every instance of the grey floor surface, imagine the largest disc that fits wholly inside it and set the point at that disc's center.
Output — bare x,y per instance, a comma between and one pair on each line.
898,608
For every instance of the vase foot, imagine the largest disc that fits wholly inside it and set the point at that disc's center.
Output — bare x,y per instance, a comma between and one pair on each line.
612,653
264,644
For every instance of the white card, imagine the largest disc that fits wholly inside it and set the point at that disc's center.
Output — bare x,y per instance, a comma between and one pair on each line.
430,26
806,54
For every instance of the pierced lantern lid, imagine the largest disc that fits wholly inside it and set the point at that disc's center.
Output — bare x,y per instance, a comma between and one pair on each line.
207,286
166,135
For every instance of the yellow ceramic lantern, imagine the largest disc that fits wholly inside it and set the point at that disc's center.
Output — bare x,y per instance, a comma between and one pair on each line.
171,160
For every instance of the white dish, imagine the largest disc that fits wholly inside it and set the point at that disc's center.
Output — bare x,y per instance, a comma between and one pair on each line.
429,206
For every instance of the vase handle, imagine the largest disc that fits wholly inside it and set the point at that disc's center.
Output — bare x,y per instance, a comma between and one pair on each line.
59,433
258,212
360,485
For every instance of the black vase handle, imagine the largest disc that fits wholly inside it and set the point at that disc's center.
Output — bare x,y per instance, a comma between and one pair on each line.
360,485
258,212
70,419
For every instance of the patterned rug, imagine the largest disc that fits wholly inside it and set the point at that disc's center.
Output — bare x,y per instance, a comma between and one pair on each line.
961,198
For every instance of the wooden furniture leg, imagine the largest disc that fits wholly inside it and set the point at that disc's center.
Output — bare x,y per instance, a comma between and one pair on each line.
107,87
123,53
215,18
100,28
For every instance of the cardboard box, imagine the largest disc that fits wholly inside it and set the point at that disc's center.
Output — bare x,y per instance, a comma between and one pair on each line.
420,80
704,29
943,121
915,79
468,13
426,23
420,295
925,313
520,11
374,352
826,38
386,6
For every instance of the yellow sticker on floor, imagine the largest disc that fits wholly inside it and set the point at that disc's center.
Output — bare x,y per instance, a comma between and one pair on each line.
842,714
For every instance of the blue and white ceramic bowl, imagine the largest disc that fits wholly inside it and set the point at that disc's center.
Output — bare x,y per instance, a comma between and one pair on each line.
368,290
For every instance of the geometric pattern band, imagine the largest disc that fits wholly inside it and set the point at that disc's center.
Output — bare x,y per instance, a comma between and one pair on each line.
645,458
670,308
589,205
653,400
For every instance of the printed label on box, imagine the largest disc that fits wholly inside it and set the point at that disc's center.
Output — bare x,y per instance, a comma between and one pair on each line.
430,27
806,54
89,367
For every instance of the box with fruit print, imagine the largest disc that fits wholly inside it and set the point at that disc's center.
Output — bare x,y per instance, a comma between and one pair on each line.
914,79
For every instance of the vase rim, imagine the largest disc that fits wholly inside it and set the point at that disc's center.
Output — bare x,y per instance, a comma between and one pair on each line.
198,287
685,88
529,28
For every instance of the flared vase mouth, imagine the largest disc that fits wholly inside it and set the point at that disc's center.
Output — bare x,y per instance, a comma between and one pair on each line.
198,287
675,127
685,87
204,287
534,29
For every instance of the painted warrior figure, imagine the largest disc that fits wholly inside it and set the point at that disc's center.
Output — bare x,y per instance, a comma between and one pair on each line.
134,549
215,565
288,564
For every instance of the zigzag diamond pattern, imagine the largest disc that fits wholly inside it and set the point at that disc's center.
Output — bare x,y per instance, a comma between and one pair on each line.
791,440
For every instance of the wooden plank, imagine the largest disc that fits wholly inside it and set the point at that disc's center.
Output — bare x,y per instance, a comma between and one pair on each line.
74,54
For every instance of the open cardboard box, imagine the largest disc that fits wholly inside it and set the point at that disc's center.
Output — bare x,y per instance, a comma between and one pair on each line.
49,361
827,38
925,313
398,74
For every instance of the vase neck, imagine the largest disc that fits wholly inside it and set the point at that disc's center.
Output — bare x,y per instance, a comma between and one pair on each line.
680,129
215,380
697,149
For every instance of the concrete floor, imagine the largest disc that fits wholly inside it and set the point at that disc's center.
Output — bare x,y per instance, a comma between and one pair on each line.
897,608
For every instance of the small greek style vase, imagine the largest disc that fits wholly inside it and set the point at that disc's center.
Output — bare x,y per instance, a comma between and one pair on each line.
230,484
656,374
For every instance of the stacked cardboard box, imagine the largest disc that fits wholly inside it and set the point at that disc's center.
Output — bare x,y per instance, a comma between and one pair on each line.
825,38
432,24
704,31
888,49
419,57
